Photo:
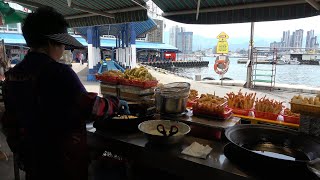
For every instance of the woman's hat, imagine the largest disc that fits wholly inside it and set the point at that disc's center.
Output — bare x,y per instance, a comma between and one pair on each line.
46,23
66,39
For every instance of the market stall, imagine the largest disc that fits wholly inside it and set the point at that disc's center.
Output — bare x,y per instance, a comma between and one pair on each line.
153,131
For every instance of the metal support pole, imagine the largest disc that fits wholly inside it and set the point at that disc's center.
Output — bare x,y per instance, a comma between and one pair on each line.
250,63
122,38
127,34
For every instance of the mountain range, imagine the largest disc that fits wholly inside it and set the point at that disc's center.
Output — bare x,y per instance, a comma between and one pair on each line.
201,42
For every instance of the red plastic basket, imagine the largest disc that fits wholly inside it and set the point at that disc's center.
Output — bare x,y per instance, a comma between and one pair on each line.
191,103
200,112
292,119
137,83
108,79
266,115
243,112
126,82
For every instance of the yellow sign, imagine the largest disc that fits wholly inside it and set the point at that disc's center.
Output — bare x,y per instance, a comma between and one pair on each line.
222,46
223,36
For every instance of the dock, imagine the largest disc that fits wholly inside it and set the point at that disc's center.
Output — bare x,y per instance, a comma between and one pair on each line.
169,64
259,61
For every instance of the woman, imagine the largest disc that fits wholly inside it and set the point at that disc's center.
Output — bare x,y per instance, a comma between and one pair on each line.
46,104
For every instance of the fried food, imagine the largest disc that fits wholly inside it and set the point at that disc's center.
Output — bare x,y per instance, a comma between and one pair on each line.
287,112
193,95
305,100
210,103
112,73
140,74
240,100
266,105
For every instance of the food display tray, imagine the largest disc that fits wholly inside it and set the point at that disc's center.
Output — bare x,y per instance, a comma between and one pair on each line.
266,115
242,112
201,113
136,83
291,119
107,79
305,109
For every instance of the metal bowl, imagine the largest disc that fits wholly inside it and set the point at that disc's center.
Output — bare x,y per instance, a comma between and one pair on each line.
149,128
173,105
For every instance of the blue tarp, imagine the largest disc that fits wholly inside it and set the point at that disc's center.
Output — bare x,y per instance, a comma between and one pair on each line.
17,39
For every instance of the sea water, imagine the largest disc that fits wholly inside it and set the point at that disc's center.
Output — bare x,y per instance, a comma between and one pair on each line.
308,75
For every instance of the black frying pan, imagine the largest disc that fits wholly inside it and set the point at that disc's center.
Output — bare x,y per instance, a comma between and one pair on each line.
277,148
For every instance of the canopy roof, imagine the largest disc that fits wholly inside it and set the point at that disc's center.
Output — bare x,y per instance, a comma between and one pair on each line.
140,28
81,13
236,11
18,40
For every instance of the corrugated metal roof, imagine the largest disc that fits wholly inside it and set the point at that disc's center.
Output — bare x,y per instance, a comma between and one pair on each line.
114,29
17,39
121,9
234,11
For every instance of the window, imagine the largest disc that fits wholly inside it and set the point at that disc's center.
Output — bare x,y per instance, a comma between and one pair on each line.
12,27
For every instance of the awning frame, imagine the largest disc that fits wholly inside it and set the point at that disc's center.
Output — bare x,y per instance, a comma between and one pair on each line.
87,11
238,7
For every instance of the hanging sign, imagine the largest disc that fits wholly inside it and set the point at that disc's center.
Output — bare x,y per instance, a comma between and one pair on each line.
222,46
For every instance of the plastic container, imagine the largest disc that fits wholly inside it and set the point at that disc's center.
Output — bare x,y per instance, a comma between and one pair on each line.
306,109
242,112
191,103
211,114
109,89
131,93
266,115
137,83
291,119
108,79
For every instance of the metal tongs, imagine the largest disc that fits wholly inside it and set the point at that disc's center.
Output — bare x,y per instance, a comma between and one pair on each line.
173,130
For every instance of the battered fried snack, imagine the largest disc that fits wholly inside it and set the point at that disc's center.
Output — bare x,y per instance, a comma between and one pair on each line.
193,95
306,101
112,73
140,74
211,104
287,112
240,100
266,105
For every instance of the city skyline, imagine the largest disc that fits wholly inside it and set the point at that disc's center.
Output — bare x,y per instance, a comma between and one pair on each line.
267,29
181,39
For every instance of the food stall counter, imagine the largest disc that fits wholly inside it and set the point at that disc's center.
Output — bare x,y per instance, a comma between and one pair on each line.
136,148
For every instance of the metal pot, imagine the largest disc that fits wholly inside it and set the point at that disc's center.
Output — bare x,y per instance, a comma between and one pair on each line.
172,98
173,105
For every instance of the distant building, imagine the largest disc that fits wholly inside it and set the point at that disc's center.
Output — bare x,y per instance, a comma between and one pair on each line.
298,38
291,41
173,35
156,35
314,43
184,41
286,39
310,36
181,39
276,45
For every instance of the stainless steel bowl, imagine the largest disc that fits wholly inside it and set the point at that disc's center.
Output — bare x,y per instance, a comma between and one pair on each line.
173,104
149,128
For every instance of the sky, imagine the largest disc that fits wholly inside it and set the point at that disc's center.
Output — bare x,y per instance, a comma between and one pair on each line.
267,30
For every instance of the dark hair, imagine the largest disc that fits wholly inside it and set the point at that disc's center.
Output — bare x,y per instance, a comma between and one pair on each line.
44,21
